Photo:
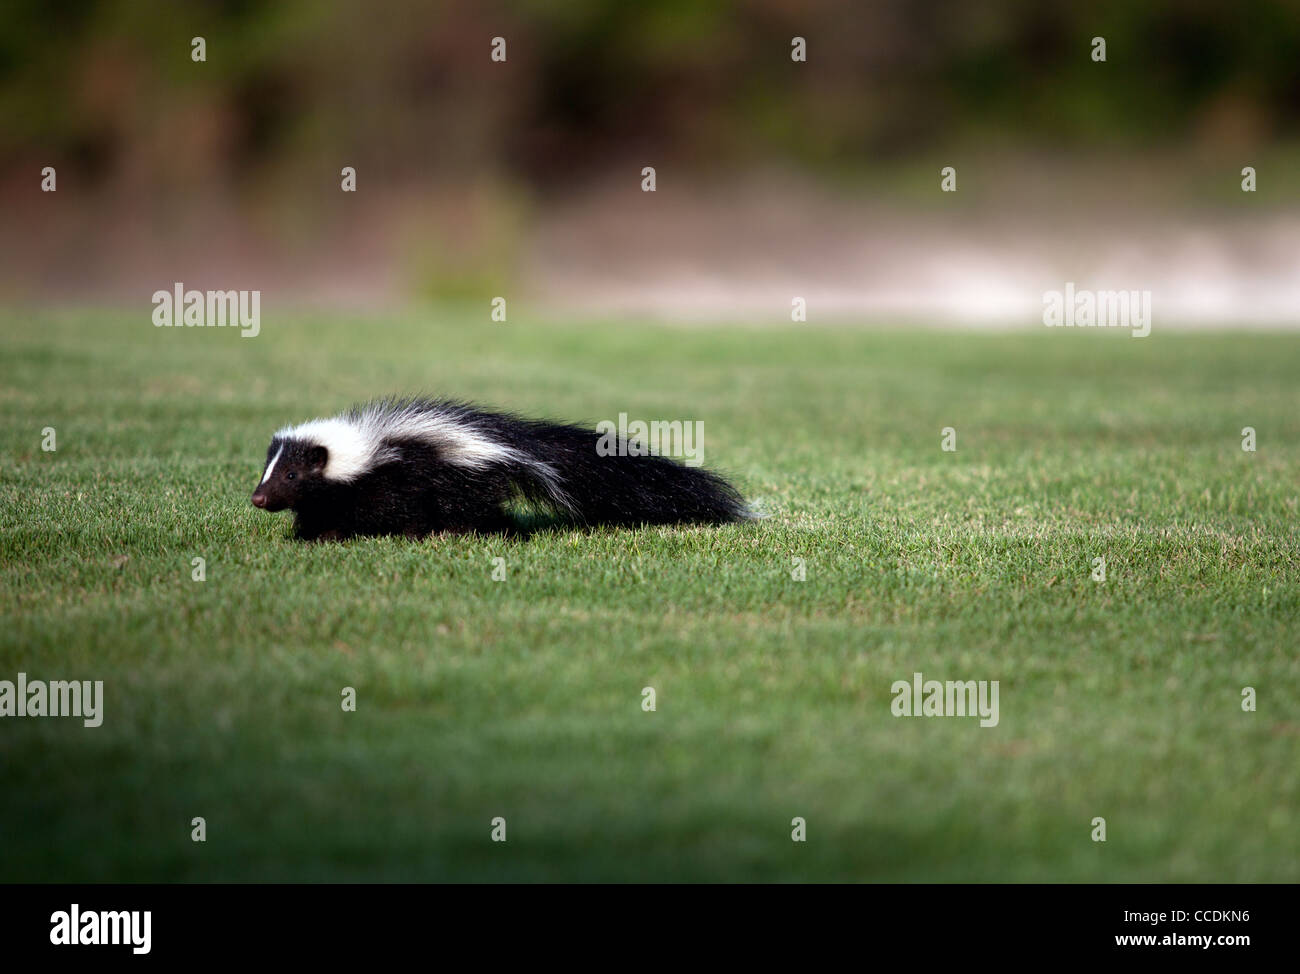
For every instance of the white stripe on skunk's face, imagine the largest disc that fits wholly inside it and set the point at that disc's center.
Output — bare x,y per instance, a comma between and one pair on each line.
294,470
271,466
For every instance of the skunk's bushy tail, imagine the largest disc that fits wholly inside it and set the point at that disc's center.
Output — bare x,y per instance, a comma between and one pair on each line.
616,489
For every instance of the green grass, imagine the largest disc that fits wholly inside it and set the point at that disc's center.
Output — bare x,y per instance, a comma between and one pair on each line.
522,698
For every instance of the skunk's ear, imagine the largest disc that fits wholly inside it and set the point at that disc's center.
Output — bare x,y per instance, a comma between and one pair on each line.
317,457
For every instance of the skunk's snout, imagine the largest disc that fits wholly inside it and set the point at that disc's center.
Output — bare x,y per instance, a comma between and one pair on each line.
259,499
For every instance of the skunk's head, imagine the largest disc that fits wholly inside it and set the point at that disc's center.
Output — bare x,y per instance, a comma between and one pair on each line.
293,467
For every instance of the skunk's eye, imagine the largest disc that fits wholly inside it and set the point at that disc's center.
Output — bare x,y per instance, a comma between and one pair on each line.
290,475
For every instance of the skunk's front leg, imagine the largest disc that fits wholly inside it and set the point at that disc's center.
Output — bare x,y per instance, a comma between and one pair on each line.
311,529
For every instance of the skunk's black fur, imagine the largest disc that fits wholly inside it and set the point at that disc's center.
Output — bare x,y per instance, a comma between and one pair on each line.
415,466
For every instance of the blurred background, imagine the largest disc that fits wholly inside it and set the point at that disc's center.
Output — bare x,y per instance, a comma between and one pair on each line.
775,178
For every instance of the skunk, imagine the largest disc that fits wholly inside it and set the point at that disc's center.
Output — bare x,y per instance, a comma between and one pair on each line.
416,466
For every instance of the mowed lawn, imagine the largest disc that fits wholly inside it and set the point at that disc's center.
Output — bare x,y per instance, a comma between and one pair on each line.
522,698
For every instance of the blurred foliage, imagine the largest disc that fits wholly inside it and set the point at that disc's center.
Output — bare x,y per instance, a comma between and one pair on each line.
407,90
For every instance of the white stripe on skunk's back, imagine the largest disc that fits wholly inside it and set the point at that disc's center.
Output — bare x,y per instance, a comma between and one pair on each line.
357,440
